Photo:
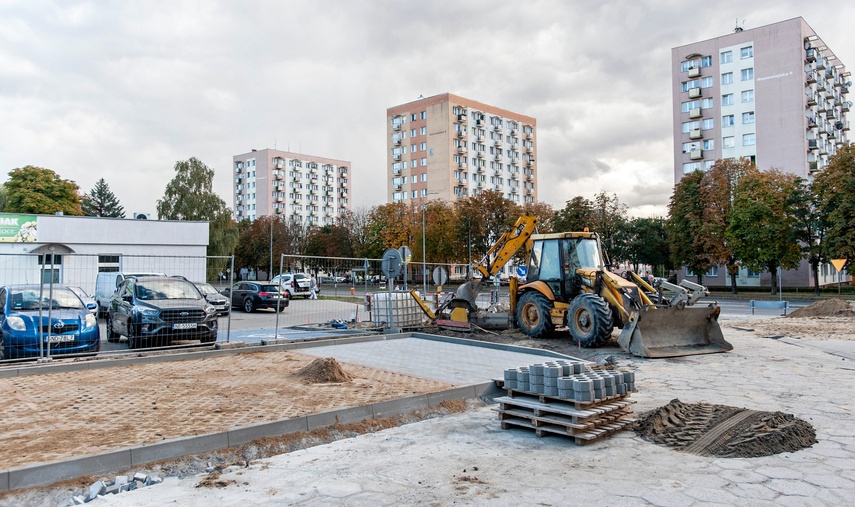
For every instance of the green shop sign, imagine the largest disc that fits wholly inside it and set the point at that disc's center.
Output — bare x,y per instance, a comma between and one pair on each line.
18,228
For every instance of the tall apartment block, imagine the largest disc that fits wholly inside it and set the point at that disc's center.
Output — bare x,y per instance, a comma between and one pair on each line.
776,94
448,147
302,188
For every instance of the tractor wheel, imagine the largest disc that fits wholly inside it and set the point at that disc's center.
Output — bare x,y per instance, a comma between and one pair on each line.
533,316
590,320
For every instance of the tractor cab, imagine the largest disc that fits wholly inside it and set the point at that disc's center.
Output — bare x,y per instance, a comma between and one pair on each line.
556,259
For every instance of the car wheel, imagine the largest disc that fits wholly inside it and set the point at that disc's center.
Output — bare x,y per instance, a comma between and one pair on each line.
133,341
112,335
247,305
533,315
282,306
2,348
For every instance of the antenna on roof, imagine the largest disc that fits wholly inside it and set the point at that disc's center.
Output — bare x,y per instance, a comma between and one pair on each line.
738,28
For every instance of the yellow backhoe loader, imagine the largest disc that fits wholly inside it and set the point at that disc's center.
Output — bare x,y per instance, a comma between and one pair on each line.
569,286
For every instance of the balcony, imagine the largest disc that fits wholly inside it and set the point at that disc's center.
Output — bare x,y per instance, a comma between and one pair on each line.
461,134
460,183
497,142
462,150
811,100
514,175
695,113
528,135
694,93
463,166
820,63
528,191
479,138
396,158
278,175
515,146
845,106
514,132
820,85
810,55
396,127
462,118
396,142
695,134
480,123
529,163
811,77
498,157
480,154
514,190
238,168
396,172
529,177
696,154
397,187
813,166
479,170
694,72
279,164
497,128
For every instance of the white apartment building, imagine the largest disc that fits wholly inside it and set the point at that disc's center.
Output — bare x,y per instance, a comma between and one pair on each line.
302,188
448,147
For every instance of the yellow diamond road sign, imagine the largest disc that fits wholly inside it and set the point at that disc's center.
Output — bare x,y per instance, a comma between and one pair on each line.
838,264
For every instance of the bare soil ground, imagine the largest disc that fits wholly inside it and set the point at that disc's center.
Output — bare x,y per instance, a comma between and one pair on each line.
60,415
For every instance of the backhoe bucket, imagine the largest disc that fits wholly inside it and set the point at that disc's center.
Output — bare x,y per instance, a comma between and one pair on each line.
661,331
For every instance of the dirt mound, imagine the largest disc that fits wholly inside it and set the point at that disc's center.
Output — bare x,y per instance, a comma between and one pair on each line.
725,432
825,308
323,370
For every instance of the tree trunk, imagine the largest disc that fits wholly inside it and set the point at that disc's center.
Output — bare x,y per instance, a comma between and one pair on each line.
774,271
733,289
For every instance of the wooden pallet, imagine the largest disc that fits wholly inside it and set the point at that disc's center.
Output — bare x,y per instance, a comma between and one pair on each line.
543,398
564,417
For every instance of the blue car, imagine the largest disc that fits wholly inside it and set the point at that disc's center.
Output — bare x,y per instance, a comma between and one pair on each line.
66,324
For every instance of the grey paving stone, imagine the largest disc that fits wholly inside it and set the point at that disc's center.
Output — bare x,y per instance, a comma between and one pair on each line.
662,498
752,491
792,488
779,472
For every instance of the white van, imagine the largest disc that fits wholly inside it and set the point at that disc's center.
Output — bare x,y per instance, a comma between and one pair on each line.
105,286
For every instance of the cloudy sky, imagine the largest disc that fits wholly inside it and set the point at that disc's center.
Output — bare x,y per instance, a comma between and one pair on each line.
124,89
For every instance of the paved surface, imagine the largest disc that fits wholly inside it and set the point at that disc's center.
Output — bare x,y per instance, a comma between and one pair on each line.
447,362
467,459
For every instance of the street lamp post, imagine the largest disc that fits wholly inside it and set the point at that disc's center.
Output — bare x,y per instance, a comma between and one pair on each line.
424,255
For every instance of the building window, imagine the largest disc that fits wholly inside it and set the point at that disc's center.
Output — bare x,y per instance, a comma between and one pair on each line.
748,117
423,146
688,64
413,133
706,82
414,163
707,103
687,106
688,85
709,144
727,120
691,125
709,124
414,178
423,131
413,117
727,78
423,115
424,176
748,74
691,166
746,52
690,147
728,142
424,162
415,193
727,100
706,61
708,164
748,140
748,96
726,57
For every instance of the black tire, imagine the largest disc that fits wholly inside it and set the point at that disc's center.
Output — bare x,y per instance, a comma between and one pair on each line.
248,307
2,349
112,335
133,341
533,316
282,307
590,320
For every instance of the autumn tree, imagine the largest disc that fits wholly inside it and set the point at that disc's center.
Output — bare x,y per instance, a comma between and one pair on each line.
718,188
834,187
608,218
544,213
102,202
685,224
32,189
763,227
483,218
811,227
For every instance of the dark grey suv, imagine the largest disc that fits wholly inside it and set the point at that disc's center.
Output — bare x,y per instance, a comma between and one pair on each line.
155,310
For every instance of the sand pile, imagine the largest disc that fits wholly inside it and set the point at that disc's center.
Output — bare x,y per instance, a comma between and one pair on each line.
826,308
723,431
323,370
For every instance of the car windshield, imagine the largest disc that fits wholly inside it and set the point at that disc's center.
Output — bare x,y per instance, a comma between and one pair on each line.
206,288
28,299
269,288
166,289
299,276
80,292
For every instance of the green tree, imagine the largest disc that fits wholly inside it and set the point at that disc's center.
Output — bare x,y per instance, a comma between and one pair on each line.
812,229
684,226
190,196
763,227
608,219
834,187
577,214
102,202
718,187
32,189
645,243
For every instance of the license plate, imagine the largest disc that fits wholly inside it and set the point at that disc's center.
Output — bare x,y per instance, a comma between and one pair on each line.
184,325
59,339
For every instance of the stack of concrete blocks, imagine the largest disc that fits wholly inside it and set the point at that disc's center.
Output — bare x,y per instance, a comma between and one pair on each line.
119,484
569,380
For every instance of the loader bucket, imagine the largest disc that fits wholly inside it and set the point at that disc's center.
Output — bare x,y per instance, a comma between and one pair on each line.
660,331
